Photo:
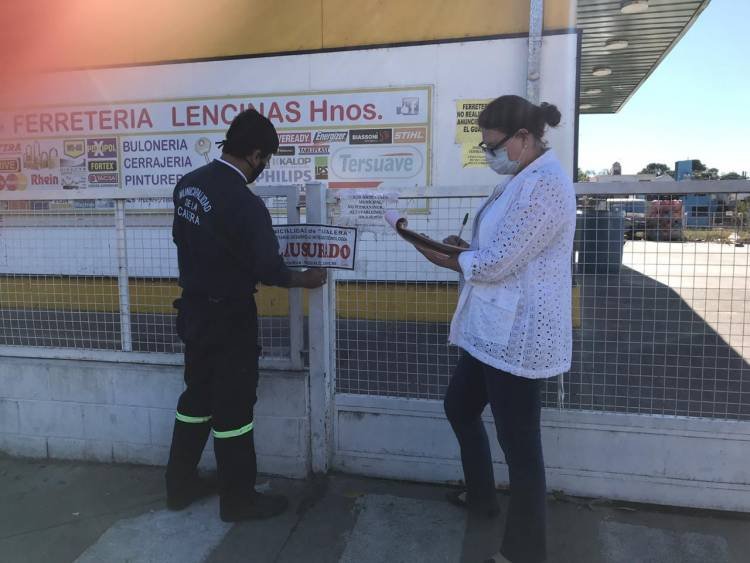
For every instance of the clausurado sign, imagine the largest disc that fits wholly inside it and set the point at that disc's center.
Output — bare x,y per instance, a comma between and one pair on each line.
317,246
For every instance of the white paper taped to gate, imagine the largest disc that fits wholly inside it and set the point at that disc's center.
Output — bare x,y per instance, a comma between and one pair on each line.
317,246
364,209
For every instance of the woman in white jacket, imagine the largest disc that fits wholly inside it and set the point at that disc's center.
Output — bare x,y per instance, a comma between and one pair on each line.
513,318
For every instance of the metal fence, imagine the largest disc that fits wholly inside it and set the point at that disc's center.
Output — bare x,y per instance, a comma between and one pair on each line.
393,312
660,320
96,279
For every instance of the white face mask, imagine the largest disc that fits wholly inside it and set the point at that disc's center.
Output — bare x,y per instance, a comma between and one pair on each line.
501,162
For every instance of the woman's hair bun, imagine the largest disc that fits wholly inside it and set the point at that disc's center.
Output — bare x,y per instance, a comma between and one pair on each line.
551,114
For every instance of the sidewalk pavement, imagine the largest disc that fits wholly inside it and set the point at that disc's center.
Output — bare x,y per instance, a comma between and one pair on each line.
61,512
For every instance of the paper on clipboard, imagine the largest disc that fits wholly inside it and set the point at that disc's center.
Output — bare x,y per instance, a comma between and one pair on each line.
400,224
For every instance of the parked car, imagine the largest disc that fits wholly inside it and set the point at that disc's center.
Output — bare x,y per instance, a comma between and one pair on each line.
634,212
664,220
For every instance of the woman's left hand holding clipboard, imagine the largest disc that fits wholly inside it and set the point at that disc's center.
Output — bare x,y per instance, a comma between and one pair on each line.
440,259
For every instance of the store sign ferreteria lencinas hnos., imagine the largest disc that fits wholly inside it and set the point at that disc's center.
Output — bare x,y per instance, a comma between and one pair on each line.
357,138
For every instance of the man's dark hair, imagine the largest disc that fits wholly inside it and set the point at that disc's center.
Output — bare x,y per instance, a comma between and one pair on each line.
250,131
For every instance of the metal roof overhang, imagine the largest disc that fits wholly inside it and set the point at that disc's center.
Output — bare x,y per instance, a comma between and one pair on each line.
651,35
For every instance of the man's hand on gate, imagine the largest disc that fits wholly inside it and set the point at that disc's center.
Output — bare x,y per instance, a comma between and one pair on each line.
312,278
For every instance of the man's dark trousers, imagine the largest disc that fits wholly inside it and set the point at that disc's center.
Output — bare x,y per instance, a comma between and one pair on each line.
221,374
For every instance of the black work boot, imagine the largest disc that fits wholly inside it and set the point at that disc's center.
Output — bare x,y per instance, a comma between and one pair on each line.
236,465
255,506
183,483
183,493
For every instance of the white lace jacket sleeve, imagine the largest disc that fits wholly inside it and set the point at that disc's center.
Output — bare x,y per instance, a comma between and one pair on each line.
526,229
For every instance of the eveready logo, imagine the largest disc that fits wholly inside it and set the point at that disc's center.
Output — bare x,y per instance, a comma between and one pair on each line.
101,148
368,162
330,137
294,138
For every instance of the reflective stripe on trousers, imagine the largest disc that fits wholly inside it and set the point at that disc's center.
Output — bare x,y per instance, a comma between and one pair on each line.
217,434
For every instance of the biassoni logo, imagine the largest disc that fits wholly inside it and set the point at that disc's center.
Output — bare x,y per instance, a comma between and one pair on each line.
371,162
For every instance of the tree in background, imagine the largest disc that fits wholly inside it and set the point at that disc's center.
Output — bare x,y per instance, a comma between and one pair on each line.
657,169
733,176
706,174
703,172
741,212
700,171
581,176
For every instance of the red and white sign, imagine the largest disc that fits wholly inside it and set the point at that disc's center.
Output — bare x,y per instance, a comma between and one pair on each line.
155,142
315,109
317,246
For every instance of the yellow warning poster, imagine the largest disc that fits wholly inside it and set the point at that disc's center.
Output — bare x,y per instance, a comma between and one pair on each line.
467,112
472,156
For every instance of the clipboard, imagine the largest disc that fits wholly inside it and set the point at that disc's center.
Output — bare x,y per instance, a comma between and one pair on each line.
400,225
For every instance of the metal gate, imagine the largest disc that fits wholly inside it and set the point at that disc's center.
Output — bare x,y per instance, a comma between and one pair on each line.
657,404
656,407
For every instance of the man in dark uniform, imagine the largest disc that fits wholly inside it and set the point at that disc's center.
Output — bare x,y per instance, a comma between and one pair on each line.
225,246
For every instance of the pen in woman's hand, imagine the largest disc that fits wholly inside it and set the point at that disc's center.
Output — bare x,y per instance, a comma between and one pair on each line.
461,230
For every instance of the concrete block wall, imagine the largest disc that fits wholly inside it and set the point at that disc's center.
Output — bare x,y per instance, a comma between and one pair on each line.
115,412
666,460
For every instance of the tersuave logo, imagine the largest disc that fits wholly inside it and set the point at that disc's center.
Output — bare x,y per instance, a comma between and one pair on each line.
370,162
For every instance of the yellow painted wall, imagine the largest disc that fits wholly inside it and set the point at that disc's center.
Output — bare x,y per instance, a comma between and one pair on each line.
366,300
79,33
422,301
370,22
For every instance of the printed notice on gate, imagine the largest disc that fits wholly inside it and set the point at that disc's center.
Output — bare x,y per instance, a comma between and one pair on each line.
317,246
365,209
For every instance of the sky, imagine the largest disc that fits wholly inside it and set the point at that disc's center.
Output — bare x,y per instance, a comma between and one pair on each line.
696,104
